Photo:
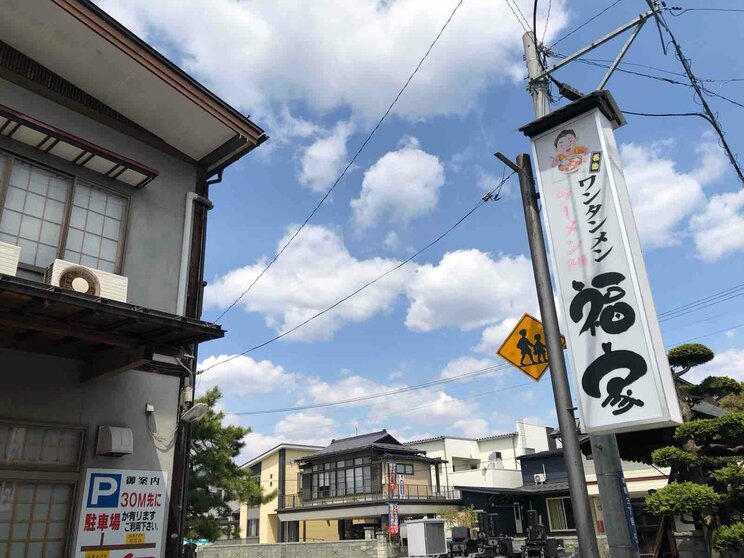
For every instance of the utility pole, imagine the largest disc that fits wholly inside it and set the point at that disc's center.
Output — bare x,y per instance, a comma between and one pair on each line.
558,375
618,519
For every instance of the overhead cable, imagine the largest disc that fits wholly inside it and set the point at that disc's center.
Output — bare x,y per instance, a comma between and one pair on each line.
407,389
587,22
703,303
491,195
521,20
413,409
685,10
700,93
346,168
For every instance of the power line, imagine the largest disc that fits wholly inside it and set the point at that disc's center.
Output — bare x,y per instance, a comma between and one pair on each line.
413,409
587,22
416,387
493,194
685,10
699,90
686,308
707,335
522,22
705,302
599,64
547,19
347,167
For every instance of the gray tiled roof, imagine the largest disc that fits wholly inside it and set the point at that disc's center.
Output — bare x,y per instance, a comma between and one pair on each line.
708,409
354,442
379,440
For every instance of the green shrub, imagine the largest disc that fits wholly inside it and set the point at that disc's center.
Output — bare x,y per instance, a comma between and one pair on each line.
729,537
689,355
672,455
732,474
716,386
681,497
723,429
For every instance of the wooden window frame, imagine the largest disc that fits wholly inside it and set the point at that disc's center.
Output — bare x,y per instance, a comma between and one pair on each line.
48,475
65,226
563,509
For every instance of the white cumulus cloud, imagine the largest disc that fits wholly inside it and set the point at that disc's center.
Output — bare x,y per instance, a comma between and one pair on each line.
399,187
322,161
663,196
469,289
466,365
472,427
243,375
719,230
726,363
315,272
330,53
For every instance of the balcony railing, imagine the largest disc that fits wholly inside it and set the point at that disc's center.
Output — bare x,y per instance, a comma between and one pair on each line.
412,492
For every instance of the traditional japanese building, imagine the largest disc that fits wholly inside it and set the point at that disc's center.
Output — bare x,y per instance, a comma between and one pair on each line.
107,154
338,492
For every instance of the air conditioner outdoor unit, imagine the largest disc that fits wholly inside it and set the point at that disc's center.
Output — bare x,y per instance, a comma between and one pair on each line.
9,254
87,280
540,478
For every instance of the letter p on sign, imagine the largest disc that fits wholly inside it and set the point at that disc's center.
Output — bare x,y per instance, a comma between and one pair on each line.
103,491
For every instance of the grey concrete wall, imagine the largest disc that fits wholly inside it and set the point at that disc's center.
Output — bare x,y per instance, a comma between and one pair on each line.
37,388
374,548
156,213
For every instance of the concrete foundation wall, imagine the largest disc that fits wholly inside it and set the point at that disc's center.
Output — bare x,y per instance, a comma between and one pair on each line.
374,548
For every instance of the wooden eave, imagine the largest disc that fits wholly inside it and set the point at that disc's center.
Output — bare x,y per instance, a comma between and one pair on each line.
105,335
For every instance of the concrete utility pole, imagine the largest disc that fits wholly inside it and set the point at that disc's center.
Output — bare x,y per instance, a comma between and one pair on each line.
620,528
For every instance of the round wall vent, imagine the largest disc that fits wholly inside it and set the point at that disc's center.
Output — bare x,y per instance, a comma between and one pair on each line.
81,280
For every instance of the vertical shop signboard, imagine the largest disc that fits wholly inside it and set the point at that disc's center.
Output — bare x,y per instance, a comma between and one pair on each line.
622,375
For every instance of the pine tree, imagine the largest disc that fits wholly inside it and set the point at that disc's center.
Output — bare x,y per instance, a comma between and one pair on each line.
214,477
706,461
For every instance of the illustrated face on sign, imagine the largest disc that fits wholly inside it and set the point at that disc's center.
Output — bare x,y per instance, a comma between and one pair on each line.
569,155
565,142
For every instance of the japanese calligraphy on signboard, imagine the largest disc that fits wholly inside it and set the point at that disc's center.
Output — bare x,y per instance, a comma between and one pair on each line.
121,514
622,373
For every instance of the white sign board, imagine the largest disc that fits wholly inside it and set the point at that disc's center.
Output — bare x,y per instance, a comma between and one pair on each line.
621,371
122,514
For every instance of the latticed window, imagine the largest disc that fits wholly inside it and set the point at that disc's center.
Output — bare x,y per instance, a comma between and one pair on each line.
51,215
39,469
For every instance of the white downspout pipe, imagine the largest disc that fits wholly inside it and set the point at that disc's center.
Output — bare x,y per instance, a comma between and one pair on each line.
188,228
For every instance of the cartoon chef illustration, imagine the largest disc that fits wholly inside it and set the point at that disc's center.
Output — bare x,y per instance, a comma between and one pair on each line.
569,155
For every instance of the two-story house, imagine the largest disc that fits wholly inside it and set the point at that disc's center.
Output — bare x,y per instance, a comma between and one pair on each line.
107,154
487,461
338,492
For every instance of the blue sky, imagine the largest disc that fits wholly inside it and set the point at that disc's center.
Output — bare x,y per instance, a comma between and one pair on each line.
317,76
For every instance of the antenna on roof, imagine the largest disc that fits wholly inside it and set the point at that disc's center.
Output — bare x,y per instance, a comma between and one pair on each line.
356,430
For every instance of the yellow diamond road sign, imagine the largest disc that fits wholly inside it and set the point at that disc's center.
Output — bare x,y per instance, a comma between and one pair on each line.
526,349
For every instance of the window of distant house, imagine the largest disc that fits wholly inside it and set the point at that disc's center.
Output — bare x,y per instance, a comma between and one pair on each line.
51,215
342,478
560,514
252,528
404,468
